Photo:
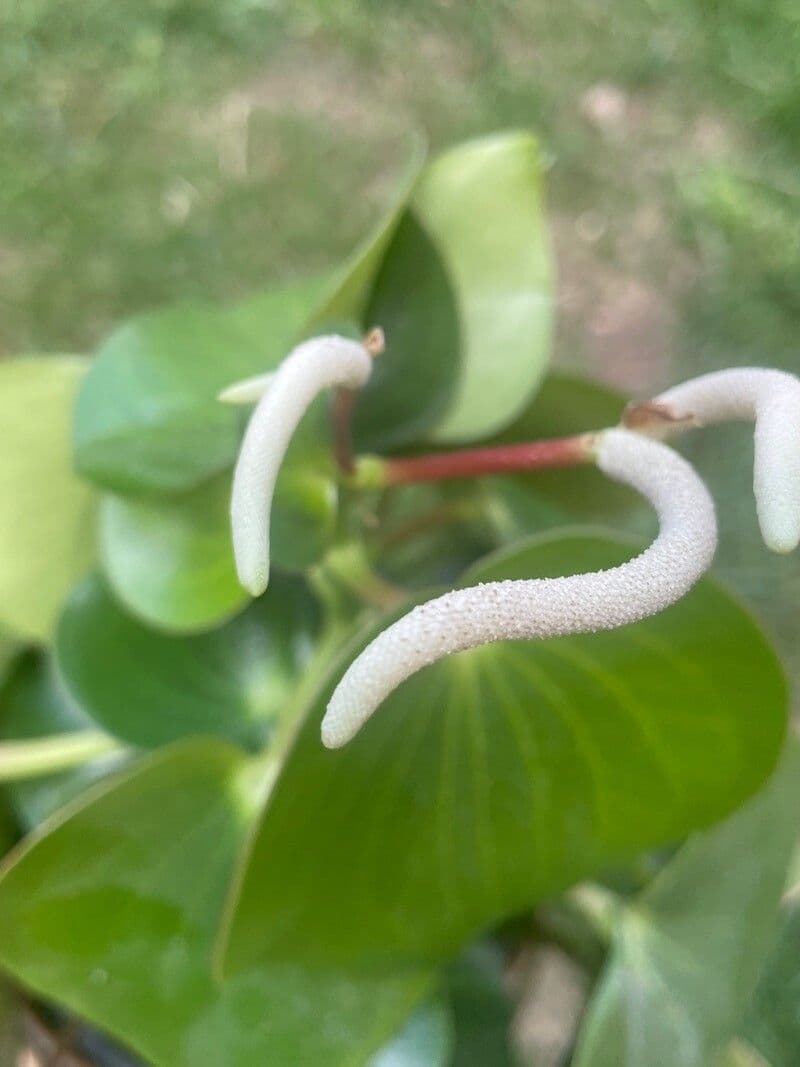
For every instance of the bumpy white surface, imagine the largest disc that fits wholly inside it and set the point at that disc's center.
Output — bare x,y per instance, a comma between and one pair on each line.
772,398
546,607
308,369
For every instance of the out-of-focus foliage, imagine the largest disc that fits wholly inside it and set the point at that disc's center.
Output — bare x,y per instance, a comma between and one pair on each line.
47,521
688,952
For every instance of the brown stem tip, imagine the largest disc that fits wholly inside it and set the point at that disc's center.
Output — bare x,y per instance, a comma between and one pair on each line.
374,341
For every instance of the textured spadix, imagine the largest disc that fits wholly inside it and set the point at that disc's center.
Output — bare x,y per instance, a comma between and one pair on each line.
772,398
308,369
546,607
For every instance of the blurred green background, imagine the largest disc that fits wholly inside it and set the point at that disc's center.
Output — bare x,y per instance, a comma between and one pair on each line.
167,149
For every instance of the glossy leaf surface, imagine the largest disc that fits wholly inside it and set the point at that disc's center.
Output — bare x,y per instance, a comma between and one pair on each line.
170,560
150,688
113,913
499,776
464,298
148,418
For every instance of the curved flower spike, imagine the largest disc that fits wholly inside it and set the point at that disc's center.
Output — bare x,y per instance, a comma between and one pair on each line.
547,607
306,371
772,398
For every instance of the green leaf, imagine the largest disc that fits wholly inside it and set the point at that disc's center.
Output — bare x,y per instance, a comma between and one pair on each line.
113,910
170,560
481,206
425,1040
148,417
150,688
496,777
464,298
413,379
481,1010
34,706
773,1021
46,515
687,954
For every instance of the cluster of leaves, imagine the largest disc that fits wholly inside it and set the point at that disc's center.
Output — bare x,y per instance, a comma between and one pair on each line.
215,887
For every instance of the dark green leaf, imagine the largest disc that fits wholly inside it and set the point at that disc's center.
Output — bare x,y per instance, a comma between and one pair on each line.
482,1012
113,914
149,688
413,380
498,776
464,298
687,954
170,560
46,515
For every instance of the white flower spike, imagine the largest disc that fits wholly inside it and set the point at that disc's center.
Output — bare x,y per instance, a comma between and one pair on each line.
772,399
537,608
307,370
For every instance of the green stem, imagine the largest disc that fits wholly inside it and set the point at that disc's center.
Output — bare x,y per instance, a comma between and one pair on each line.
38,756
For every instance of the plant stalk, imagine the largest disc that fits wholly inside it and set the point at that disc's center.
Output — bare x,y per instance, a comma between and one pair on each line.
495,459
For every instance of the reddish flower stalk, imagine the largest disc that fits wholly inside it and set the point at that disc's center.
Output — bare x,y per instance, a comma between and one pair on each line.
495,459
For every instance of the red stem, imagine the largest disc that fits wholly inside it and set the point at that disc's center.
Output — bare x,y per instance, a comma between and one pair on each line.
341,418
496,459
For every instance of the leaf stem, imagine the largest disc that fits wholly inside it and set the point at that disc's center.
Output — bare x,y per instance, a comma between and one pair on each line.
494,459
44,755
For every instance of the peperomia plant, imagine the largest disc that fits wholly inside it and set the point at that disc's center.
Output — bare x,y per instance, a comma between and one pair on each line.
256,547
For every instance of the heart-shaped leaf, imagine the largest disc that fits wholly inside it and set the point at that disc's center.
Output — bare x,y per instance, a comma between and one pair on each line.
46,514
687,954
481,206
497,777
149,688
170,560
148,417
112,913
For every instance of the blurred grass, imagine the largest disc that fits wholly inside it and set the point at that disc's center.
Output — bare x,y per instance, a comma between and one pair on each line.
162,149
